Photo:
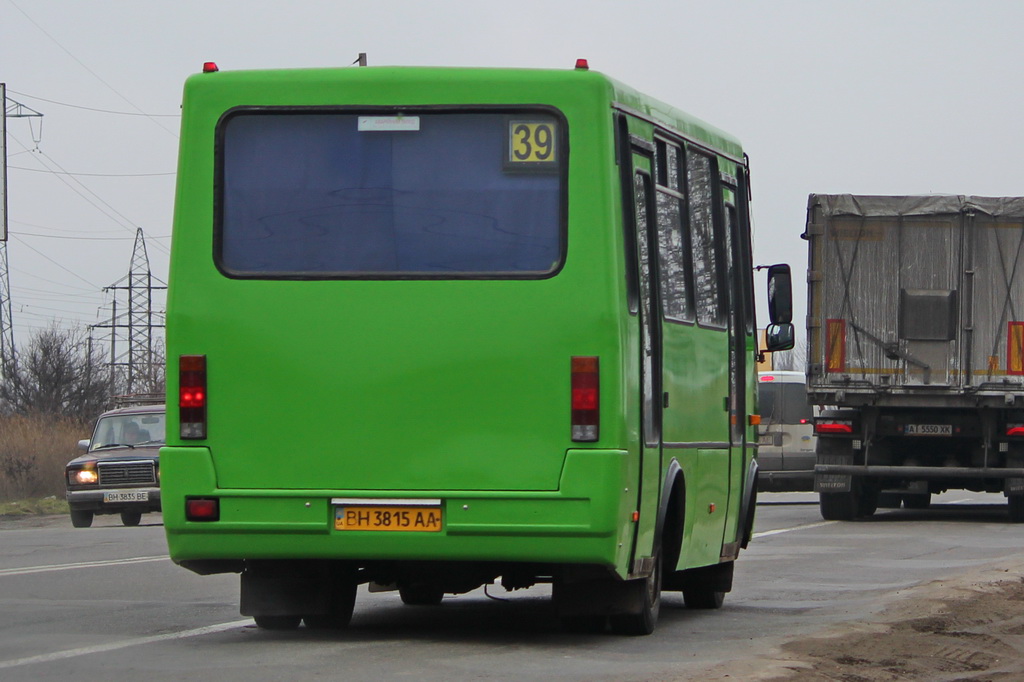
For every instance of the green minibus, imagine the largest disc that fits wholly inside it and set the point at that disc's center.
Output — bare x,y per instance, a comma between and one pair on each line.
435,328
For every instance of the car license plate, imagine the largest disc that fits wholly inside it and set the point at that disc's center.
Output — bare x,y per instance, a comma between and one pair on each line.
929,430
766,439
397,517
126,496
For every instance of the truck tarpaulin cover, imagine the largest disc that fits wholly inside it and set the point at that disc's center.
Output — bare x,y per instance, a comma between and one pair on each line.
910,292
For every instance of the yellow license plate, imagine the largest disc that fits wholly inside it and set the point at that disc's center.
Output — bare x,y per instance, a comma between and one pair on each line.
404,518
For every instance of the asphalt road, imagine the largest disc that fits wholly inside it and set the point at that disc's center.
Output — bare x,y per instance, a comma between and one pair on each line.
105,603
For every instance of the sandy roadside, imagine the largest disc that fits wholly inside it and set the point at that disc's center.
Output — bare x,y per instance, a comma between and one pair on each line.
967,628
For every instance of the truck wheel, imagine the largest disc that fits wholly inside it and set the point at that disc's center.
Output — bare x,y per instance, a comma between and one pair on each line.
81,518
917,501
889,500
838,506
867,505
1015,505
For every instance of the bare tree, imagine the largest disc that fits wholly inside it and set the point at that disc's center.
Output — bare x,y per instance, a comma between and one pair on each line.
57,374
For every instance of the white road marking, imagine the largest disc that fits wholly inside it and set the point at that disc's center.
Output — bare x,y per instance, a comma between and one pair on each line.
780,531
123,644
28,570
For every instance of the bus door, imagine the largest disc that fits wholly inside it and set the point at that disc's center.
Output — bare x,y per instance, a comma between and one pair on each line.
650,351
739,284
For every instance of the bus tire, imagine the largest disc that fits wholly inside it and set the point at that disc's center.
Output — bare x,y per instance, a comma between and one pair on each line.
588,625
1015,506
645,597
340,605
81,518
277,622
838,506
420,594
703,598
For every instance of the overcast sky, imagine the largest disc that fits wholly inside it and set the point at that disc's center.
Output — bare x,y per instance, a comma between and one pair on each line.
871,97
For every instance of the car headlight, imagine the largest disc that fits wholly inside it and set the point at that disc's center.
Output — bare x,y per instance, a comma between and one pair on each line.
84,476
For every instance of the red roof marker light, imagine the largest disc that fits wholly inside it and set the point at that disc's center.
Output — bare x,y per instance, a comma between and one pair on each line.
582,65
210,67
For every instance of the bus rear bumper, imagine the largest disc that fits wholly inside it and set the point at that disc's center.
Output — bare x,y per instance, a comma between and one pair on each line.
586,521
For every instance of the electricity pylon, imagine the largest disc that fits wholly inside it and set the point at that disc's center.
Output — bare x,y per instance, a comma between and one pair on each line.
10,109
136,364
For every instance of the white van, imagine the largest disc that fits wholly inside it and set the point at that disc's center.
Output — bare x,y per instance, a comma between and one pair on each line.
785,453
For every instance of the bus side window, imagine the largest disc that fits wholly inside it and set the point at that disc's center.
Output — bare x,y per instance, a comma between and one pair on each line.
708,298
673,242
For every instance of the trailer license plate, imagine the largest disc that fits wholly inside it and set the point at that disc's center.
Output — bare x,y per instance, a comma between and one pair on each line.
360,517
126,496
929,430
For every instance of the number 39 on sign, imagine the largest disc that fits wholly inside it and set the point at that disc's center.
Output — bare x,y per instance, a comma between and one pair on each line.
531,142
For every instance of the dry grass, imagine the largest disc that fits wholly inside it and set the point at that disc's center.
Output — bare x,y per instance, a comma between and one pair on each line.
33,452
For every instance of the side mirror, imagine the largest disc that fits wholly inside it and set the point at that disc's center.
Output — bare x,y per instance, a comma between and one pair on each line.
780,337
83,445
780,295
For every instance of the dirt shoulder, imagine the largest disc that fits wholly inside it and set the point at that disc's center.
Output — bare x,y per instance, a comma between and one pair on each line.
967,628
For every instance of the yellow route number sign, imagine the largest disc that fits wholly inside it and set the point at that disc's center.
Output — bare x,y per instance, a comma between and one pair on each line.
531,142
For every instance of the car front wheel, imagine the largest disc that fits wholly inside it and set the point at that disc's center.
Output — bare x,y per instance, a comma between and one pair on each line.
81,518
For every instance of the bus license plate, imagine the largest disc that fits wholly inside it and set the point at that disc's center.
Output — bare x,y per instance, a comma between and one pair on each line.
126,496
421,519
929,430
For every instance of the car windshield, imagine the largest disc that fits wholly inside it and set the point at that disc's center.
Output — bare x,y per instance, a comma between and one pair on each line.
783,403
128,429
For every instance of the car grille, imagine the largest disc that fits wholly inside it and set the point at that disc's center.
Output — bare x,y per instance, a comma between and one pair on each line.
123,473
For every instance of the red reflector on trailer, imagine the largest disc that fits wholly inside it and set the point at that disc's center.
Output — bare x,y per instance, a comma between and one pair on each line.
210,67
834,427
586,398
202,509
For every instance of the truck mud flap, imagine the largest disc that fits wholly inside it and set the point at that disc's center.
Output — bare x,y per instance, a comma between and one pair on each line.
833,483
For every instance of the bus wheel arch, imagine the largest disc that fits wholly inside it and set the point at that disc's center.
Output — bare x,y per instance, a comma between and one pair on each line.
671,517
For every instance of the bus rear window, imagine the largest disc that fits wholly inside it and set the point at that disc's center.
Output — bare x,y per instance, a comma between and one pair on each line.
429,194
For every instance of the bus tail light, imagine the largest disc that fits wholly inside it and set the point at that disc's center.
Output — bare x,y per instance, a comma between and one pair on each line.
1015,429
834,426
202,509
586,399
192,396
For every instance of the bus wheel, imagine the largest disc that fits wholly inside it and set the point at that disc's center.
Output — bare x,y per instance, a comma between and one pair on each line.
80,518
589,625
131,518
703,598
420,594
644,596
1015,505
339,608
277,622
838,506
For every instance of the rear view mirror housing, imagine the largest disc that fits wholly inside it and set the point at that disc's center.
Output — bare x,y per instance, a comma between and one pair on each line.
780,337
780,294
